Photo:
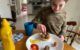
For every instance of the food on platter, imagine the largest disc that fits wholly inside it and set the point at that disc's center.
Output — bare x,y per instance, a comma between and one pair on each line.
34,47
54,44
34,41
47,48
45,36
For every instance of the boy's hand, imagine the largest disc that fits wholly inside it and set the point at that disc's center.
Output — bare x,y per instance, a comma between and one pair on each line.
61,37
42,28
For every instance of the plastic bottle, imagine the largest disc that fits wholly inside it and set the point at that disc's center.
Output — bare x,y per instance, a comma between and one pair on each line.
6,36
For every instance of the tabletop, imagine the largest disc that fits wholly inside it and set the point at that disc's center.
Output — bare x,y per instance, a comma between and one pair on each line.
21,45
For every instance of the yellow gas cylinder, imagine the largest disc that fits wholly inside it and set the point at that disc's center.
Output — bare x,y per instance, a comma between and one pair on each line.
6,36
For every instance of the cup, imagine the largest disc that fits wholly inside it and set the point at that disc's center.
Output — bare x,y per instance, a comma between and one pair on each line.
29,26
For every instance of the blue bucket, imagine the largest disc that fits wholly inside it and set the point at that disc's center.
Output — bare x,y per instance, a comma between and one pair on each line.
29,26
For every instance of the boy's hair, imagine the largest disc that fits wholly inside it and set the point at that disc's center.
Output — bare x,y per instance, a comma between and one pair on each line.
64,0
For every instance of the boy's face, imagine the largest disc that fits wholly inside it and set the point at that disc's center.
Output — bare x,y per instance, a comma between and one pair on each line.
57,5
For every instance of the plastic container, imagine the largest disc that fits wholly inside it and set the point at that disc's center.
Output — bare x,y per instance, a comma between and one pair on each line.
29,26
6,36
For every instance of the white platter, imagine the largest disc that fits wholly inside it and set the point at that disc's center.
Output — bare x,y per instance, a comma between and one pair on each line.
43,43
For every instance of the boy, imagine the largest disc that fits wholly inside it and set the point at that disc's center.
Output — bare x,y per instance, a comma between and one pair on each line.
52,18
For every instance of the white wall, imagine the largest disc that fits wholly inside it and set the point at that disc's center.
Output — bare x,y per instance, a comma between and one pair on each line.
24,1
22,17
73,10
20,22
78,11
5,11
